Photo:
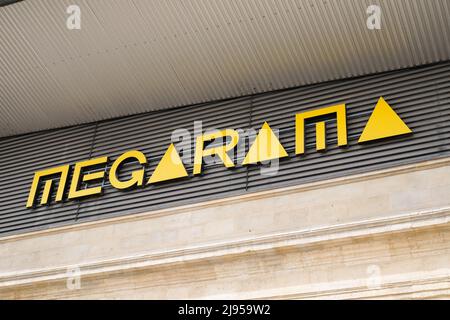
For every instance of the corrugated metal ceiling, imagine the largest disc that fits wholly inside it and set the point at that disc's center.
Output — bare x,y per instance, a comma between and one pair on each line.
132,56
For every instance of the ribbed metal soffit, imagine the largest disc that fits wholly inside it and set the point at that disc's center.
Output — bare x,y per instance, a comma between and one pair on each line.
132,56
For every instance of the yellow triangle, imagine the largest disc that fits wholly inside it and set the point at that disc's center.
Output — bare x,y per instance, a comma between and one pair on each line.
383,123
170,167
266,147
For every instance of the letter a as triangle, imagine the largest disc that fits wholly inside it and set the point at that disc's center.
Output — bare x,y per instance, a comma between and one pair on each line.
383,123
170,167
266,147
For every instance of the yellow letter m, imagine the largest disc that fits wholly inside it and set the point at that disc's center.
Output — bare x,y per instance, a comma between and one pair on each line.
62,170
300,118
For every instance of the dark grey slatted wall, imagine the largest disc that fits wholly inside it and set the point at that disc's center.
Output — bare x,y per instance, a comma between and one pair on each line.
420,96
20,157
151,134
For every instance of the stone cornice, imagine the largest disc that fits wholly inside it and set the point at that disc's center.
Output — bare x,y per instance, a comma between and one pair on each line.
438,217
420,285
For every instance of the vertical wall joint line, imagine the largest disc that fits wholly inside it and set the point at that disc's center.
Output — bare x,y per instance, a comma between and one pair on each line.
247,145
91,150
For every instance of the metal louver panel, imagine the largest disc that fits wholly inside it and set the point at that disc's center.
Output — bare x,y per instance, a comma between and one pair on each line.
421,97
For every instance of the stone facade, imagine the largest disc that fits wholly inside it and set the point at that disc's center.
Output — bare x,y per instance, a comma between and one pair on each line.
383,234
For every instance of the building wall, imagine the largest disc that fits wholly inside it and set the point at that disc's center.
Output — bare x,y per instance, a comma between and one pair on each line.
381,234
364,221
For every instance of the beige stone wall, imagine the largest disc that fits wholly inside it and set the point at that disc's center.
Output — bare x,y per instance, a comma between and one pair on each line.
383,234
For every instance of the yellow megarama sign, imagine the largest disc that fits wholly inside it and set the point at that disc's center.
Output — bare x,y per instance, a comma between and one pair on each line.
383,123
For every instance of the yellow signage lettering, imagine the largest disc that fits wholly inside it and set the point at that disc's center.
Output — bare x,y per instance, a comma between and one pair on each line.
383,123
62,170
221,151
265,147
320,127
169,167
74,192
137,176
